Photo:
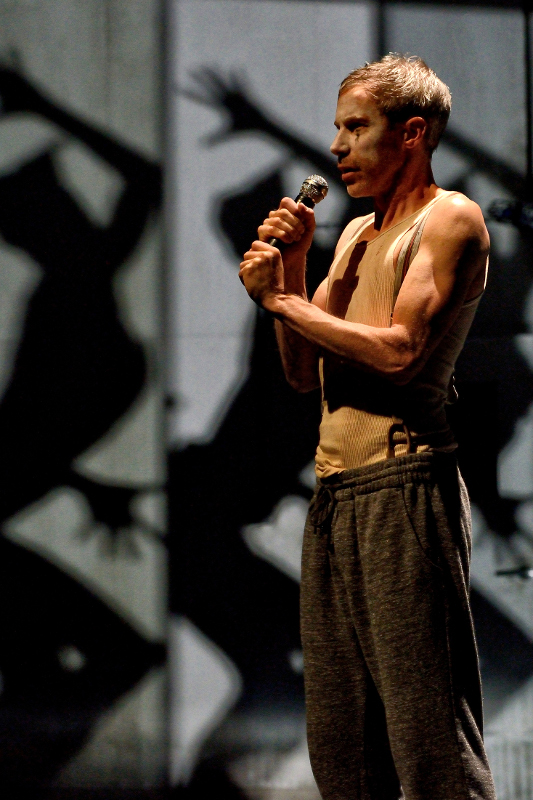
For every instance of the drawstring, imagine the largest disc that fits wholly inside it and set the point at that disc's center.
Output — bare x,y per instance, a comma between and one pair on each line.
399,426
321,512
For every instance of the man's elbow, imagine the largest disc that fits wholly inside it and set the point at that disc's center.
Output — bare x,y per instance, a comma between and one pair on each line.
301,375
401,378
403,369
302,384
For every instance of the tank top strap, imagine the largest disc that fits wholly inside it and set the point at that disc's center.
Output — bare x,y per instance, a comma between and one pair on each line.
411,244
362,222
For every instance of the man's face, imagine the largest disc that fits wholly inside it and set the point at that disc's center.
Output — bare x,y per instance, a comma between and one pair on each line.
368,148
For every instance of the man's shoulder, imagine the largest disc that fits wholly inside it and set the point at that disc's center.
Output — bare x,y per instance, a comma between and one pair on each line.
455,207
456,216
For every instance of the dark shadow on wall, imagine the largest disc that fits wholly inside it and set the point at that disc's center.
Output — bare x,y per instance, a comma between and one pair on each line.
245,605
269,434
66,657
107,793
501,676
76,372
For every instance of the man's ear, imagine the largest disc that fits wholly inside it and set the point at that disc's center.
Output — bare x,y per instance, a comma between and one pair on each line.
414,132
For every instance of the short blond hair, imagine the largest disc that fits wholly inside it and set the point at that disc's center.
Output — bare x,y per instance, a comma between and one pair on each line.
403,86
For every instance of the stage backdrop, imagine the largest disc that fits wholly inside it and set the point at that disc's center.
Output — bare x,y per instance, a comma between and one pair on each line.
252,94
253,97
83,561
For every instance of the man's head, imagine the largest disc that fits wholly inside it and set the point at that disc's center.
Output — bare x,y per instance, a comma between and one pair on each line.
404,87
389,117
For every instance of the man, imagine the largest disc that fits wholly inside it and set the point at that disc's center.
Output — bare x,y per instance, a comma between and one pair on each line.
392,680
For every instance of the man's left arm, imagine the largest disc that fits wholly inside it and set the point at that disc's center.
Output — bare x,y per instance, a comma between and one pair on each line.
448,269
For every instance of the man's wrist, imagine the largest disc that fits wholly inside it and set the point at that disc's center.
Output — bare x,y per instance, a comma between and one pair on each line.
279,303
294,268
295,282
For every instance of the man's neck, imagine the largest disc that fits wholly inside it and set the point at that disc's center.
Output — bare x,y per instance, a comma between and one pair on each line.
410,193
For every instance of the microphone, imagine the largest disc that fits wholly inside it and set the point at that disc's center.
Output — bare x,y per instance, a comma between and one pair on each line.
313,190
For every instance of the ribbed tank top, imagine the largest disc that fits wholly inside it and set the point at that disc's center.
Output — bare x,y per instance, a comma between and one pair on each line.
358,408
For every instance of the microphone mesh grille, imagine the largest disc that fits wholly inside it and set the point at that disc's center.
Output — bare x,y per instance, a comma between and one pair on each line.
315,187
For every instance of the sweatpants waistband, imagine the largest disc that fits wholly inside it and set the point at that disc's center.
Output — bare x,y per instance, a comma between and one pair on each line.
389,473
393,472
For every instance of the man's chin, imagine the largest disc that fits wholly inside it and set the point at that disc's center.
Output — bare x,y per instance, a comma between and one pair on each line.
357,191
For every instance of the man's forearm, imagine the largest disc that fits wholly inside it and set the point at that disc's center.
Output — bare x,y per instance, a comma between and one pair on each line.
299,358
384,351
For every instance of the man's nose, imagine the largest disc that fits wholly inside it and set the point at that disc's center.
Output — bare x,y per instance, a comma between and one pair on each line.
339,146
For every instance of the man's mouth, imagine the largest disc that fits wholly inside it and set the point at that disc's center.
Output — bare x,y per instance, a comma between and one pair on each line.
347,172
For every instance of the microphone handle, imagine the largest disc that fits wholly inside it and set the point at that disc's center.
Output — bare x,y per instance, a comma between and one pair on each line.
307,201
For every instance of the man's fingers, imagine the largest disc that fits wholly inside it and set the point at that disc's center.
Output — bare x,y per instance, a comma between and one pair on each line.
291,225
245,267
296,214
305,212
259,254
263,247
277,230
288,217
290,205
250,261
281,224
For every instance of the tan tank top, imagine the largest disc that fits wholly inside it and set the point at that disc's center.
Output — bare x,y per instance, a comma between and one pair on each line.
360,411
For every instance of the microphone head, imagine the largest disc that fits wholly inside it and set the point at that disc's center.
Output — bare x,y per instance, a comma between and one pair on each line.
315,187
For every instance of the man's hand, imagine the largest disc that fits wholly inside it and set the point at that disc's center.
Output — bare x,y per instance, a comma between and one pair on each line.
291,223
294,224
261,272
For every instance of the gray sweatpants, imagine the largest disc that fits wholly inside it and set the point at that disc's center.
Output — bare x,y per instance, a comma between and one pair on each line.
390,661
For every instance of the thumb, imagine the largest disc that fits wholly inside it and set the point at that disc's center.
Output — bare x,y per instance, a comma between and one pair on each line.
308,215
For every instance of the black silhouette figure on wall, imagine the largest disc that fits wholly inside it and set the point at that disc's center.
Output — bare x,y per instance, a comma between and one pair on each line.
76,371
267,437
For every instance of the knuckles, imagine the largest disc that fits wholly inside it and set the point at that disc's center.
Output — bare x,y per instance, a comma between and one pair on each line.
258,255
289,204
287,228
